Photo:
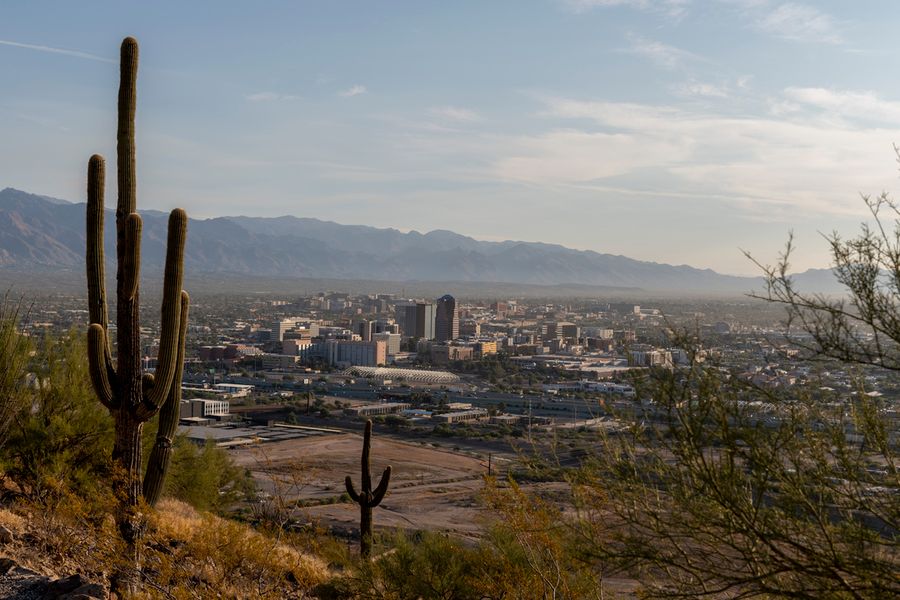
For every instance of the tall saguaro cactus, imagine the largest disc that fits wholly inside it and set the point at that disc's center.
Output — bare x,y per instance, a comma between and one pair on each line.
367,498
132,396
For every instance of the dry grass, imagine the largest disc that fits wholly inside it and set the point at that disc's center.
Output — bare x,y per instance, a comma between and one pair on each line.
193,555
187,554
15,523
61,541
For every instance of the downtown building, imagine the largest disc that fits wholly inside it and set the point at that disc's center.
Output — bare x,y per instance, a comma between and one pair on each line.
446,319
346,353
391,340
416,319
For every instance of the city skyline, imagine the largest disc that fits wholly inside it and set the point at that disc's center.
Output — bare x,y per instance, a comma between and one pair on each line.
672,131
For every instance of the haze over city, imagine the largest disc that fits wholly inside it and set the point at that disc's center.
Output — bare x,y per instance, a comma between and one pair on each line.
672,131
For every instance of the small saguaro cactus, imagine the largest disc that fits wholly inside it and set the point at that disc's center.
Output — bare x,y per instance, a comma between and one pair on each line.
366,498
132,396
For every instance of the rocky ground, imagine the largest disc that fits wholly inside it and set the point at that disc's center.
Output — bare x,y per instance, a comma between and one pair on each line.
22,583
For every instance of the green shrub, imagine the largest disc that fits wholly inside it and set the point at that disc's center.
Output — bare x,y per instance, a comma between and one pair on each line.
205,477
62,445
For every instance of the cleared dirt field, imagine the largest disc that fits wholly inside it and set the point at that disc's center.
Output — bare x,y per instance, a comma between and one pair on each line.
430,488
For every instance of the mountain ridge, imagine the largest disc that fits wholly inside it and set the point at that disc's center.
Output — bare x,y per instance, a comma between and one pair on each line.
45,233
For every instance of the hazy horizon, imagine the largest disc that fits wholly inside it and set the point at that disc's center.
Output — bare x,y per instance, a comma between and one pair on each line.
676,132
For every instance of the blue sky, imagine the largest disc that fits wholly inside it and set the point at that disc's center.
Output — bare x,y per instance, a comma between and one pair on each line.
679,131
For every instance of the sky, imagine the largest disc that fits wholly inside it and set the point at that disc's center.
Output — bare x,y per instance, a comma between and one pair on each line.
675,131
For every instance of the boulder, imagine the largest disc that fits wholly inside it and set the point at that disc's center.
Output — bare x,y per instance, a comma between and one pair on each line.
6,565
88,591
6,536
63,585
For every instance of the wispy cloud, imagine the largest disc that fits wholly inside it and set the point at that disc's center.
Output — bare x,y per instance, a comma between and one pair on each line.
40,120
456,113
270,97
799,22
355,90
63,51
675,8
662,55
855,105
804,160
702,89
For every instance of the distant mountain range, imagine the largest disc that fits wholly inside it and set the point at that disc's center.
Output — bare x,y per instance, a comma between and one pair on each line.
39,233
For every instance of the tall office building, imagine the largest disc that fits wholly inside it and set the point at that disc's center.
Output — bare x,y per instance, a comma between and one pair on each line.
425,319
416,319
405,316
385,326
446,320
280,327
364,328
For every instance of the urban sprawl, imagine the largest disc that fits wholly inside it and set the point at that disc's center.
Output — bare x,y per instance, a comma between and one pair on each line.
445,365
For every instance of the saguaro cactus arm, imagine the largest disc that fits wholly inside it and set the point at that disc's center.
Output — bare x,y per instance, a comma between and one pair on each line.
97,355
167,361
168,377
381,490
96,266
348,482
102,370
161,454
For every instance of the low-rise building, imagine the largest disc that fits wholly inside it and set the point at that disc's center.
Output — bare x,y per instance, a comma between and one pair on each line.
205,409
371,410
391,340
278,361
234,390
442,354
476,414
212,353
485,348
509,420
347,352
650,358
294,346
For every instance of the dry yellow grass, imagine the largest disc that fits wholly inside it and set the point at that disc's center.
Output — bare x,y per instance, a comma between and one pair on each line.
201,555
187,554
12,521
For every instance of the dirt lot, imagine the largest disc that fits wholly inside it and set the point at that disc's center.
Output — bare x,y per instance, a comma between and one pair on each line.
430,488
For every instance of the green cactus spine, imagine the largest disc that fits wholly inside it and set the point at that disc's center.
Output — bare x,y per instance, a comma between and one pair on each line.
367,498
132,396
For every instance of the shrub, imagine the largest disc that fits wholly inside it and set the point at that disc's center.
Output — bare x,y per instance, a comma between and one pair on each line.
62,444
14,350
205,477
